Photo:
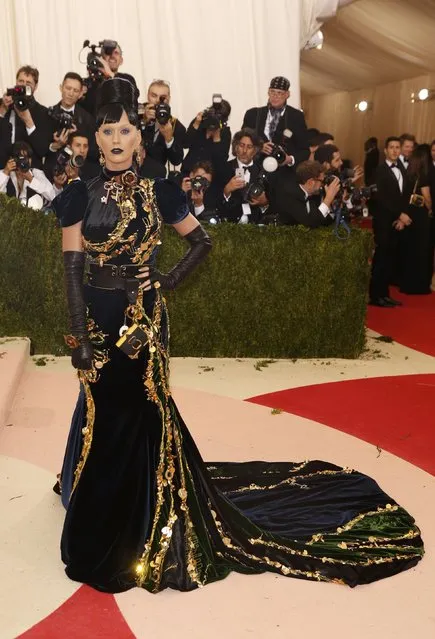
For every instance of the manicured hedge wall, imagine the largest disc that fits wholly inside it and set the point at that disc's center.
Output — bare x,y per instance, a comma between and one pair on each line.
263,291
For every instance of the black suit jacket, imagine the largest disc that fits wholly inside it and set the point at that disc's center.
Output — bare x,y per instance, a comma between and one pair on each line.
291,207
157,148
231,210
39,140
292,119
390,201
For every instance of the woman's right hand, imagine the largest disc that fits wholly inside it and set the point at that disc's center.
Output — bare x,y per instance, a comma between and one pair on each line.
81,357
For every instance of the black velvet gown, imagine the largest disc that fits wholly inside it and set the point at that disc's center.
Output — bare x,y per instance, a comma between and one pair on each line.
142,507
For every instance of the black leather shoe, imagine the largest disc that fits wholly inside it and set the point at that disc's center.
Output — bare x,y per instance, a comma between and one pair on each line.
393,302
382,302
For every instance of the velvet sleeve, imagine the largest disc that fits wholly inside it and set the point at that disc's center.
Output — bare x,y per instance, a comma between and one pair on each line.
70,205
171,200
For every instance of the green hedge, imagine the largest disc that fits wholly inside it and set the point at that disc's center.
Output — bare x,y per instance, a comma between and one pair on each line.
263,291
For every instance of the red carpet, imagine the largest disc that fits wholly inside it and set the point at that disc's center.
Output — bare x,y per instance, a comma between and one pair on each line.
394,413
87,613
412,324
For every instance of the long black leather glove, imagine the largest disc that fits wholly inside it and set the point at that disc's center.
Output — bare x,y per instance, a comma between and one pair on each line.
74,265
200,245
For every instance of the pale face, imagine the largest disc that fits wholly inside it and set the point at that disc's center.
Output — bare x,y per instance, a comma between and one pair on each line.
278,98
80,146
407,148
245,150
114,60
23,79
314,185
156,91
392,151
118,142
70,91
336,162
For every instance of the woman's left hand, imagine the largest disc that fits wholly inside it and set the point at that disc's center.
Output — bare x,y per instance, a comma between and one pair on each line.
144,274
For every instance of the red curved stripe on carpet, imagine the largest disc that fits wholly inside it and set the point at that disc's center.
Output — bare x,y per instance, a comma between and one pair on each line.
412,324
394,413
87,614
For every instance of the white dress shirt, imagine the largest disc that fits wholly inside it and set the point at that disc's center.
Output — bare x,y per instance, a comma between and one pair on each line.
323,208
404,161
44,190
398,174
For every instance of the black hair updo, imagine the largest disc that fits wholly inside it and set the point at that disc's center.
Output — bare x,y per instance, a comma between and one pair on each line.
113,97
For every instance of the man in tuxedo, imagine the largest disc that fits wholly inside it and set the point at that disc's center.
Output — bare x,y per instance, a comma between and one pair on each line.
279,123
31,125
201,196
71,91
18,179
407,145
164,142
389,218
78,144
236,206
299,204
111,59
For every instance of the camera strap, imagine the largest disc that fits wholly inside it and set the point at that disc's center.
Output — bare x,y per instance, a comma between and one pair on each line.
341,227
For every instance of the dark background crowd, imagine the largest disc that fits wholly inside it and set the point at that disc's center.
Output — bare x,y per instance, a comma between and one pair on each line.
281,172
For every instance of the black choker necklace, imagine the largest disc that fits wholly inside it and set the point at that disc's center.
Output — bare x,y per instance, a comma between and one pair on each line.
109,174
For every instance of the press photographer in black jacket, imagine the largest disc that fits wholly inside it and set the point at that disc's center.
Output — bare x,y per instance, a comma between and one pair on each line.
298,204
208,137
27,119
162,133
279,123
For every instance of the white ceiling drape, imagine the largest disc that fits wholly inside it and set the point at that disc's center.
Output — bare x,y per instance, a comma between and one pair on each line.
232,47
314,13
372,42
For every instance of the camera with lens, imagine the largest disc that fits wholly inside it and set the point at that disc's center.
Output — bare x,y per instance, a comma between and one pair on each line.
359,198
64,120
199,183
254,189
163,111
93,61
65,157
21,96
22,162
213,117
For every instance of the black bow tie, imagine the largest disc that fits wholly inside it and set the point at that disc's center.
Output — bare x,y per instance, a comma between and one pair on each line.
394,165
247,168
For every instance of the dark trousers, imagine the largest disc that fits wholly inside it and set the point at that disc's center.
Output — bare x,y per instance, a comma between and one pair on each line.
382,264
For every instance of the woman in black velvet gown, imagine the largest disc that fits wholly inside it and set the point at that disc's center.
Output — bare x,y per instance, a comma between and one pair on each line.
415,240
142,507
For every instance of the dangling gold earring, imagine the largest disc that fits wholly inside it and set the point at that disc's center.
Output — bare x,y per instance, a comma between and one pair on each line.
101,159
136,155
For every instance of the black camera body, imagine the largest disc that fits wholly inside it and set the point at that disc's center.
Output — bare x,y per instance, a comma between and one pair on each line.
199,183
65,157
93,62
21,96
256,188
163,111
64,120
213,117
22,162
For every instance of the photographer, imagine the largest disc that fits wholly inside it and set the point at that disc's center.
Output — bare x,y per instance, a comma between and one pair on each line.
240,177
198,186
163,134
68,116
208,137
28,120
58,168
105,65
299,205
279,123
18,179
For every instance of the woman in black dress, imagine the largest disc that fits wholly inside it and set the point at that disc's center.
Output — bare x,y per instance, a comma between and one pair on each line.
142,507
415,249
